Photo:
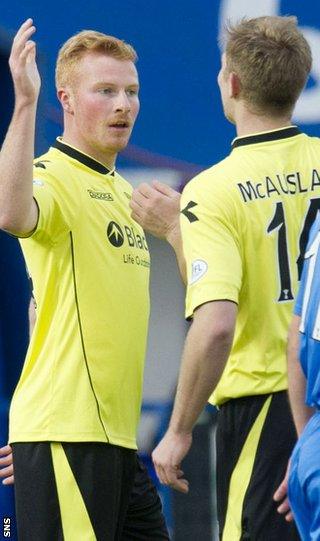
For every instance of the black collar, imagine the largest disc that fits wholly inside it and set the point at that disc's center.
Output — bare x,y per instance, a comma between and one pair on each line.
275,135
82,158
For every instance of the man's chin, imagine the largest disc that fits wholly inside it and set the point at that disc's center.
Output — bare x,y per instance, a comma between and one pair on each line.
118,144
114,147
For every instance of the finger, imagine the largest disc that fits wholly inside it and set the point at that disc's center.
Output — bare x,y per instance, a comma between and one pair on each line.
182,485
137,217
136,208
289,517
28,23
8,480
6,472
164,476
284,507
146,190
138,198
29,52
280,493
20,43
171,477
160,474
164,189
6,460
6,450
171,472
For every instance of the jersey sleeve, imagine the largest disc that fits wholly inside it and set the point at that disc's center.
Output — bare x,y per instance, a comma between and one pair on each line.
55,210
210,245
299,300
312,249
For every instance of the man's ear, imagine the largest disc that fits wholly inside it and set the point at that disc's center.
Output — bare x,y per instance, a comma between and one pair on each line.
234,85
65,96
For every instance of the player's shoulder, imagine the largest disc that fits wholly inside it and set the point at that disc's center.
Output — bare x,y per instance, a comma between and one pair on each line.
49,163
212,179
52,168
312,140
41,163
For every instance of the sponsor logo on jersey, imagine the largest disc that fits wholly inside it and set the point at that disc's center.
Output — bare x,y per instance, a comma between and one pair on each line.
103,196
199,268
117,235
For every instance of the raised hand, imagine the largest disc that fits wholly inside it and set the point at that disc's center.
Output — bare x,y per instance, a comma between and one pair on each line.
22,62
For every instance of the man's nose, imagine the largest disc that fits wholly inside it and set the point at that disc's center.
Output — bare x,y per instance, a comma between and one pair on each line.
123,102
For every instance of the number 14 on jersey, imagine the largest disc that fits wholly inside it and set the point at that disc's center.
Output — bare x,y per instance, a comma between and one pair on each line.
278,225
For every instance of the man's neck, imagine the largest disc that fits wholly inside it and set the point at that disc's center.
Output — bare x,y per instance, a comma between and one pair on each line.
106,159
248,123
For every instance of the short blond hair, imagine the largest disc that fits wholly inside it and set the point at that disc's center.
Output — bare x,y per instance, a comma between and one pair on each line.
89,41
272,59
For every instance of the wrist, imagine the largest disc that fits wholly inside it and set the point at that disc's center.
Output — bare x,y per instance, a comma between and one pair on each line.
25,105
178,431
173,234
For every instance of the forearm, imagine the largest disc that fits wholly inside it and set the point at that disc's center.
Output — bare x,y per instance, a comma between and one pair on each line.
32,317
296,380
16,162
175,240
206,352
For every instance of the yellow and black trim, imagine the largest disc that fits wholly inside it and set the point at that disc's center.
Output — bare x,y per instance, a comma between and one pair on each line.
251,465
82,158
85,492
275,135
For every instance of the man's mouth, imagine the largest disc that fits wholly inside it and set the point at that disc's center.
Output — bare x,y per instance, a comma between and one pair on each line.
120,125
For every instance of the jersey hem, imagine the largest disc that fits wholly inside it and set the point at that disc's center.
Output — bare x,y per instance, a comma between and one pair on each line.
221,400
85,437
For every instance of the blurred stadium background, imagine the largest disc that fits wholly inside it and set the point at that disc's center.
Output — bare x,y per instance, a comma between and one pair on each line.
180,130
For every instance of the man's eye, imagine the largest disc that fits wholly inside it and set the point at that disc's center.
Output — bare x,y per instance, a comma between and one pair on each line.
132,92
106,90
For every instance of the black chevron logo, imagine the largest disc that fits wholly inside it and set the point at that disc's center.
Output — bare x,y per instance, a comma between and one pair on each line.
186,211
41,164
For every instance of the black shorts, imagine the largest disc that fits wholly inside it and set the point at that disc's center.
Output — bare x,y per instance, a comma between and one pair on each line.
255,437
84,492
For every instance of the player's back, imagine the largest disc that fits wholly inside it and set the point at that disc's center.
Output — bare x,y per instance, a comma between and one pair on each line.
261,201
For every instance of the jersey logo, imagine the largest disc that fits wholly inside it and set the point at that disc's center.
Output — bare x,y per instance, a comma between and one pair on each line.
126,233
198,269
100,195
115,234
41,164
186,211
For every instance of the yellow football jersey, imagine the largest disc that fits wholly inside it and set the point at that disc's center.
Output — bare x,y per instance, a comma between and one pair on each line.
245,223
89,263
